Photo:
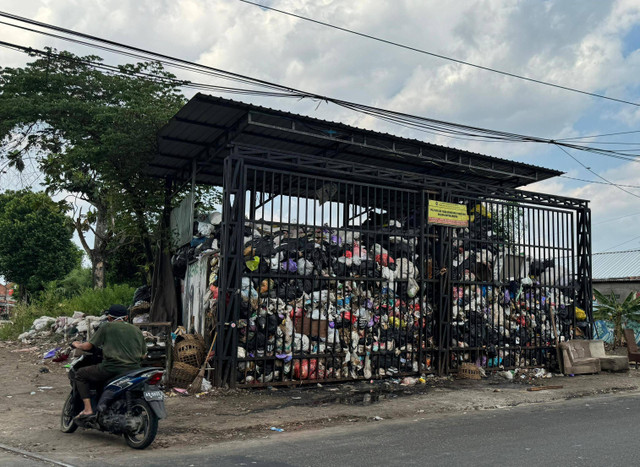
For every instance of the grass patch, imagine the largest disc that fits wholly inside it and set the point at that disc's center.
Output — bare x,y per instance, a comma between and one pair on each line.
49,303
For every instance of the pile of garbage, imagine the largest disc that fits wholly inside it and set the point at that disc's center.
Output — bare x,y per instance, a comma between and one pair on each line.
68,326
355,302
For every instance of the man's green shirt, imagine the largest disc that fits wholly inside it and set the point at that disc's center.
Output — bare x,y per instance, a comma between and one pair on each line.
122,346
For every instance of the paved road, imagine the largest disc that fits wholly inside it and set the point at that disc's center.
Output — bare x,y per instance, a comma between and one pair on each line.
13,459
584,432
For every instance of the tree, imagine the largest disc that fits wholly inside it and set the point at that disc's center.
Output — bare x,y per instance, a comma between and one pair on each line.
611,309
92,133
35,240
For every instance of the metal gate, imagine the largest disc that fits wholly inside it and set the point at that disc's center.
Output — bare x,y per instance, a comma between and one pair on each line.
513,281
327,279
329,271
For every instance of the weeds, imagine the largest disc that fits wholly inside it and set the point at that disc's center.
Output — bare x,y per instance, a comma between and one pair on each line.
53,303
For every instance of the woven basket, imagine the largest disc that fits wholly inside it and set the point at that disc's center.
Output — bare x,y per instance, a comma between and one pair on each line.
182,374
469,371
189,349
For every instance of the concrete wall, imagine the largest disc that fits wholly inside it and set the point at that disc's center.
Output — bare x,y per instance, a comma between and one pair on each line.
621,289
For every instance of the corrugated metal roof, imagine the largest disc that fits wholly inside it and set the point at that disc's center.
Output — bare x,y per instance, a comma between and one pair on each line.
616,265
207,126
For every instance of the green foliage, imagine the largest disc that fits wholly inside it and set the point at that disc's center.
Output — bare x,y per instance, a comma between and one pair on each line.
508,222
22,318
92,133
609,308
94,301
209,198
90,301
35,240
79,278
126,266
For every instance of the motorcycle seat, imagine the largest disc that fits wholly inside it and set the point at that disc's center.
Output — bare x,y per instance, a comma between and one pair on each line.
131,374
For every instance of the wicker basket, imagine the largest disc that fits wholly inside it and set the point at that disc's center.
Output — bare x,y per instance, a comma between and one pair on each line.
182,375
189,349
469,371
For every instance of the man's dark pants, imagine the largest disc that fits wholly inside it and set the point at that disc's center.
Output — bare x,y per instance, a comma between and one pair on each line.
91,374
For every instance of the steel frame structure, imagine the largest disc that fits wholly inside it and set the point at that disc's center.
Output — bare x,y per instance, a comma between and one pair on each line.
255,179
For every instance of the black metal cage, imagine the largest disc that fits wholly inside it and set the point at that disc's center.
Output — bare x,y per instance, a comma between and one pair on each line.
331,274
327,267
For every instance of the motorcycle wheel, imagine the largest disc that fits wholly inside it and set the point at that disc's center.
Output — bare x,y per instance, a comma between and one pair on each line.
67,425
148,428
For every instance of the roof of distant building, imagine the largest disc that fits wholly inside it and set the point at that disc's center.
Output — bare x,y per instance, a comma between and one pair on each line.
616,265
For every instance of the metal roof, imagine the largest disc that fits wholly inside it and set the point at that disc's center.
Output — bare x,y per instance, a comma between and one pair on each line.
207,127
616,265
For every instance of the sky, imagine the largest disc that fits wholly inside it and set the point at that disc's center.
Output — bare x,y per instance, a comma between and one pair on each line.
591,45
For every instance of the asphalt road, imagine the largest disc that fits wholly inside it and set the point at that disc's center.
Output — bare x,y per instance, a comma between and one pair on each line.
586,432
11,458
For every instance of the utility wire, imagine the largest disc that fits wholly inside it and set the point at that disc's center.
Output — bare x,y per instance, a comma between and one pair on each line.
599,136
595,173
411,121
111,69
597,182
617,218
444,57
619,244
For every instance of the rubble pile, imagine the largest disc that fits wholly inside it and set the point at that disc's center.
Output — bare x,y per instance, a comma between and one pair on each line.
68,326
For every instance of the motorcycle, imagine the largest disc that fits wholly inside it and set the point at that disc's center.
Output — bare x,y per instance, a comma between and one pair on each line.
130,404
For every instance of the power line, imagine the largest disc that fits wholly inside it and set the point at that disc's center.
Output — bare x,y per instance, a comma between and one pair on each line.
617,218
619,244
116,70
443,128
595,173
444,57
599,136
597,182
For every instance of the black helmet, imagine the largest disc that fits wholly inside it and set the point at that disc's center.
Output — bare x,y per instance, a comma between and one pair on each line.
116,311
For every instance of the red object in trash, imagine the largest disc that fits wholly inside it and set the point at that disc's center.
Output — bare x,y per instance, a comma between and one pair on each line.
60,356
347,316
384,259
301,369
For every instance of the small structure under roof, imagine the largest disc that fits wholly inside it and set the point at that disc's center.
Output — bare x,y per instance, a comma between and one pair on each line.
199,136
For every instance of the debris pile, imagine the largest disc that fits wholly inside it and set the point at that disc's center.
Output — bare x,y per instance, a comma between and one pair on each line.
68,326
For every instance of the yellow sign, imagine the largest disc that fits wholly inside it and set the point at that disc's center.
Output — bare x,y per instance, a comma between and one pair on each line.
448,214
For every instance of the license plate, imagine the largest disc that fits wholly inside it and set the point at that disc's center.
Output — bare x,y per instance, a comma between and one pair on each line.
154,395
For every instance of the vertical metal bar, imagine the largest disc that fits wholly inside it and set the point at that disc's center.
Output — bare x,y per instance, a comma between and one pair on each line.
444,294
585,265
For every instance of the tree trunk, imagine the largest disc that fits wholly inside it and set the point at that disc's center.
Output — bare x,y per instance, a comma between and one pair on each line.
98,253
143,233
617,330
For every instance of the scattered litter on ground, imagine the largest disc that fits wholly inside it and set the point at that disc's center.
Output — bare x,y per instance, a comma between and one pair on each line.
26,349
542,388
51,353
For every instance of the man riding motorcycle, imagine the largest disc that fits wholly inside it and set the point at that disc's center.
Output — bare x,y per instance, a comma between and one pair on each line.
123,349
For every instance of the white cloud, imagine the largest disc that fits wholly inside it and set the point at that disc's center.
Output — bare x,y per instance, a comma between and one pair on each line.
610,207
574,43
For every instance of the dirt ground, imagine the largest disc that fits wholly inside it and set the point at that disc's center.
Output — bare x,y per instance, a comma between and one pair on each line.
33,391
